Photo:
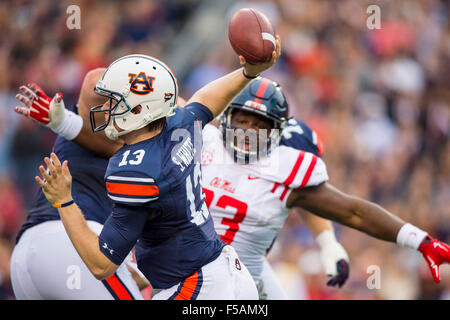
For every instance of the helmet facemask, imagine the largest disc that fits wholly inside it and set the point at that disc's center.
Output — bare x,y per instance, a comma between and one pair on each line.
262,98
117,107
249,145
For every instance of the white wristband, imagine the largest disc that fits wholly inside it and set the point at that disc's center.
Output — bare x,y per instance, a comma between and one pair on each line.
70,127
410,236
325,238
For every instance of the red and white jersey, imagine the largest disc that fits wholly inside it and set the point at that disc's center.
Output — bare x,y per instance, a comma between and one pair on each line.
248,202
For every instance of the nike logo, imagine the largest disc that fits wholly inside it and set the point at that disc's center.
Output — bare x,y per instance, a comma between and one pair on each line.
250,177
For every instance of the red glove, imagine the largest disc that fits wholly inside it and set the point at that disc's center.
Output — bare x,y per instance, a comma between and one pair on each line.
48,112
436,253
36,103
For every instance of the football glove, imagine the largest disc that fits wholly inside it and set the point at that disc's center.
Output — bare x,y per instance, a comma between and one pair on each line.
435,253
48,112
334,258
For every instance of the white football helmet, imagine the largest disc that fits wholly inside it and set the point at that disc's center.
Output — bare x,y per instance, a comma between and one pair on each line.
131,81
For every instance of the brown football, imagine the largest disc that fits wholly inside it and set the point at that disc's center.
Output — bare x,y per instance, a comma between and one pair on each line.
252,35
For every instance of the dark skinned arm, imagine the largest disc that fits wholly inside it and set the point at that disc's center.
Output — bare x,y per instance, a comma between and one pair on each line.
330,203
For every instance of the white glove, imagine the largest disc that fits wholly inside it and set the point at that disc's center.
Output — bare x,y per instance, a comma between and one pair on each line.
334,258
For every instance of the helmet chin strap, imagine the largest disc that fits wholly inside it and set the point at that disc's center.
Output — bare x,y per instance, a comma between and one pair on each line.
112,133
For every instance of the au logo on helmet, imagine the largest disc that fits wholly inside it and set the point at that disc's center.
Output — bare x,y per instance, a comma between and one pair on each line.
141,84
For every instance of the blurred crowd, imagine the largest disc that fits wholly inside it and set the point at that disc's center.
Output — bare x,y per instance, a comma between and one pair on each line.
378,98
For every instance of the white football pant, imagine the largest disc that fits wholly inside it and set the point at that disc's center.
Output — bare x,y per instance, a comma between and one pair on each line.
225,278
45,265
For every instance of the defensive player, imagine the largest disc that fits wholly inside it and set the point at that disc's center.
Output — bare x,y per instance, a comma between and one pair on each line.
246,192
247,185
155,183
44,263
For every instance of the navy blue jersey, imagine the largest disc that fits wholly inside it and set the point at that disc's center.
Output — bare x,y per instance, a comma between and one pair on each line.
301,137
159,204
88,186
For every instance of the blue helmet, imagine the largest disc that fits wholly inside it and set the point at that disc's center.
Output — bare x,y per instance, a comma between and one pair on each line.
262,97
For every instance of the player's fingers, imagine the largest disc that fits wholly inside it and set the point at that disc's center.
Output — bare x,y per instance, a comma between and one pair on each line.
435,273
22,110
25,100
277,52
65,169
343,271
278,42
342,274
242,60
33,87
40,182
27,92
51,167
434,268
58,98
342,280
56,161
44,173
332,282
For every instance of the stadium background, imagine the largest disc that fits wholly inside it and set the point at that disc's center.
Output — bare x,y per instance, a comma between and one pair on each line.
379,99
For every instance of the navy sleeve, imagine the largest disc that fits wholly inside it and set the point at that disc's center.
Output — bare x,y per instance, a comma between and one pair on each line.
200,112
121,231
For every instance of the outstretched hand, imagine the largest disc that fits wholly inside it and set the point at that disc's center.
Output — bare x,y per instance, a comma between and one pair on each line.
56,181
39,107
253,70
435,253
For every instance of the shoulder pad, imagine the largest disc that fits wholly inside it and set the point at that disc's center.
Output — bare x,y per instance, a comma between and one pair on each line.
300,136
292,168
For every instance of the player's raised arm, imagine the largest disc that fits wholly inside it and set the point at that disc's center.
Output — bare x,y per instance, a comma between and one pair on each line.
330,203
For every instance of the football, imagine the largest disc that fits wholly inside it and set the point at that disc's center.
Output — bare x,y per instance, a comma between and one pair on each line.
252,35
